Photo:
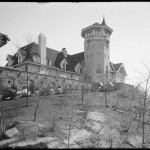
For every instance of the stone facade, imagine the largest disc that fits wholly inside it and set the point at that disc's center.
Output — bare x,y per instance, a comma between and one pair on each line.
12,76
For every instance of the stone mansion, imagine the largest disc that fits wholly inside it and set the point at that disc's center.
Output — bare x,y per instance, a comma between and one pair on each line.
91,65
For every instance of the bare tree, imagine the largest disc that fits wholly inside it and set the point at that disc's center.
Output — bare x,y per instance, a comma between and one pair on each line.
144,88
28,39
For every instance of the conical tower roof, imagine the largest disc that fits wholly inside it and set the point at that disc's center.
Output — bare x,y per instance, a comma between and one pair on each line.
103,22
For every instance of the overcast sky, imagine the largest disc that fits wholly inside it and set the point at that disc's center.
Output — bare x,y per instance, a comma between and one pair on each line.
62,23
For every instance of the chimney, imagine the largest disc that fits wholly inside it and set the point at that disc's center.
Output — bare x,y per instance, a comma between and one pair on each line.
64,51
42,48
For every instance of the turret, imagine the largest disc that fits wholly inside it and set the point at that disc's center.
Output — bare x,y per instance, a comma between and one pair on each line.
96,50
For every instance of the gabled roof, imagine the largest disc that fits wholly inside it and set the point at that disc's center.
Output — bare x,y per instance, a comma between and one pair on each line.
9,56
112,66
117,66
22,52
70,60
78,65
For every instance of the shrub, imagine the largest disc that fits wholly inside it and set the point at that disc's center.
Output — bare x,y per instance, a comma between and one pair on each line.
95,86
44,91
31,88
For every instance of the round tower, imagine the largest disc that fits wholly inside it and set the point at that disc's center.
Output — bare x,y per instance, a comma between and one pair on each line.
96,51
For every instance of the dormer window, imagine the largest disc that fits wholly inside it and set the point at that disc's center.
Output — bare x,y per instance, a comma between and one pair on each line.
9,62
77,68
9,58
63,64
48,62
19,58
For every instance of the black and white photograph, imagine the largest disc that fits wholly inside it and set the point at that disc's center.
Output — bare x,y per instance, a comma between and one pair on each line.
74,75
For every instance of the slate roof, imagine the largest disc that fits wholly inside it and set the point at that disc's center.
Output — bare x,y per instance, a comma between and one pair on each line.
96,24
117,66
79,56
70,60
51,55
55,56
22,52
10,56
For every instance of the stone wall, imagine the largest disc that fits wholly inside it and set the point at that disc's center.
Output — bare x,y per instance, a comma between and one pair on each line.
12,76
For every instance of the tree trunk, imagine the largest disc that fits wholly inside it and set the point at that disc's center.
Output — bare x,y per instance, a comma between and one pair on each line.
3,118
27,85
35,114
105,98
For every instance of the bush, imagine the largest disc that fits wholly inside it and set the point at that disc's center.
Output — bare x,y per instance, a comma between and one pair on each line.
6,92
95,86
31,88
123,94
44,92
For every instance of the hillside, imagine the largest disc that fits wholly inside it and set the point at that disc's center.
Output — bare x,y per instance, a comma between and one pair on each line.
90,124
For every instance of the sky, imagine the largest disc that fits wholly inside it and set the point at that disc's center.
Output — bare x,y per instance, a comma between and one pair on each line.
62,23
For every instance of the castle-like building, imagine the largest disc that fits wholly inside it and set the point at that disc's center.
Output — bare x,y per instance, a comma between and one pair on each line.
92,65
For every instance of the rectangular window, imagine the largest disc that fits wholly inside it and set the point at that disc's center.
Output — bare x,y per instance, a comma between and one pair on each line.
107,70
64,66
98,69
19,58
9,63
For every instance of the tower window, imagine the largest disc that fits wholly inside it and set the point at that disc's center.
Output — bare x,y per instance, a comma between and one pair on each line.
98,69
107,70
97,31
88,41
107,44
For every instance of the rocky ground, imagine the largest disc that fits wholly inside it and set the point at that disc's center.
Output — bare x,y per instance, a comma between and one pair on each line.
64,122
